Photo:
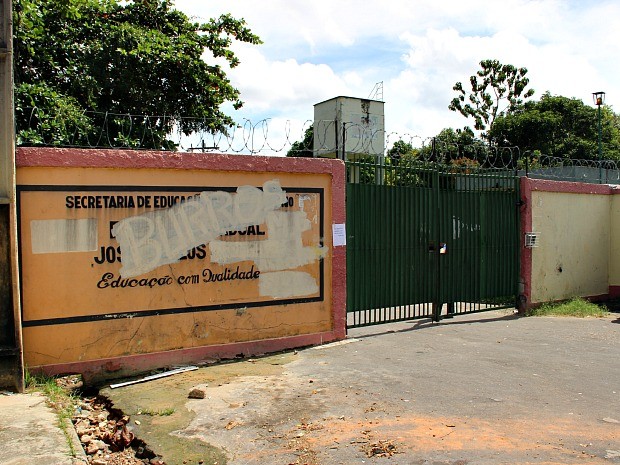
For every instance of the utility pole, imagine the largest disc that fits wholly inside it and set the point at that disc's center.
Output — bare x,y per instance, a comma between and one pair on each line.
11,351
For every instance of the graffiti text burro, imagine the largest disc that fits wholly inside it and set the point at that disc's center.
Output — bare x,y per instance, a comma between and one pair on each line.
164,236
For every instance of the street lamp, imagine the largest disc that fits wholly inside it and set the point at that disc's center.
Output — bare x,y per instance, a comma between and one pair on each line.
599,99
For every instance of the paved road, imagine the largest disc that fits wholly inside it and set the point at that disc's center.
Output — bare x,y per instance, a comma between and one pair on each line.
479,389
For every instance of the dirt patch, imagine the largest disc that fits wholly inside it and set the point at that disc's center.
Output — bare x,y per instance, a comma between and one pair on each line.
158,410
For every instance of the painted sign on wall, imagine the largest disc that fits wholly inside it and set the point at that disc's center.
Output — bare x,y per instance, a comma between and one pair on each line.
107,252
134,260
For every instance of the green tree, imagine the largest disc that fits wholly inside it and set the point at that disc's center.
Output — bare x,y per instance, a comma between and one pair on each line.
78,63
451,144
496,90
400,150
560,127
403,164
303,148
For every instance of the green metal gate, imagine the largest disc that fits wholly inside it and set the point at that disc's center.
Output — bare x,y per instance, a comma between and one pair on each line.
429,241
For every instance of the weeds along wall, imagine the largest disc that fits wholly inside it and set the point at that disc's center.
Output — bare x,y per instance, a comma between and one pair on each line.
132,260
577,251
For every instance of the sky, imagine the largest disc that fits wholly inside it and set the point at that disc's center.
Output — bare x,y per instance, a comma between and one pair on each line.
315,50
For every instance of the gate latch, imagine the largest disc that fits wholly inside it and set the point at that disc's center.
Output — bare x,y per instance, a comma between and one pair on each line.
443,247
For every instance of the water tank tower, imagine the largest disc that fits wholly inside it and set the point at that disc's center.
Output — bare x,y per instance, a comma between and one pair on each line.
349,128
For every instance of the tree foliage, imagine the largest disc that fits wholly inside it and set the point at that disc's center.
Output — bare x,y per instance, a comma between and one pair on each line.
496,90
402,158
560,127
78,62
451,144
401,151
303,148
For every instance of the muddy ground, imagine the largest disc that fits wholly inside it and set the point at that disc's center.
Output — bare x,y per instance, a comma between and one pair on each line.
480,389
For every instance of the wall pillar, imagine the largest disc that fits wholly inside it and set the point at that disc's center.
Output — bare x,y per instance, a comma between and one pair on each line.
11,358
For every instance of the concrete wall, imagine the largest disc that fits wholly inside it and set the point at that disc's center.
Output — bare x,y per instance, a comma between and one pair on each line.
573,255
614,259
578,238
133,260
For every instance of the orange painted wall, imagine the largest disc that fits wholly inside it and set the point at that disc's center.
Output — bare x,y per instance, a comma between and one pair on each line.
278,280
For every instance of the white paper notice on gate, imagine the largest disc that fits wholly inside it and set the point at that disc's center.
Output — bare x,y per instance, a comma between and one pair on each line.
339,234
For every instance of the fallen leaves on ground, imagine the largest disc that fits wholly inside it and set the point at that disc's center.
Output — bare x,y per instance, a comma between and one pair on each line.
232,424
380,449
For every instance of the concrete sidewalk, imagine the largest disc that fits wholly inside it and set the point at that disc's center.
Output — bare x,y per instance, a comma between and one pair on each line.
29,433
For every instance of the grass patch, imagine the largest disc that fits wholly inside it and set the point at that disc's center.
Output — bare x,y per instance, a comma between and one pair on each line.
63,401
166,412
576,307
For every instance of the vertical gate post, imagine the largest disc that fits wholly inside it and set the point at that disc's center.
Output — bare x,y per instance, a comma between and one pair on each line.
11,357
437,301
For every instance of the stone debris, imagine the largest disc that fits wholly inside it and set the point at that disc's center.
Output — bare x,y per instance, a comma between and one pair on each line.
107,439
197,393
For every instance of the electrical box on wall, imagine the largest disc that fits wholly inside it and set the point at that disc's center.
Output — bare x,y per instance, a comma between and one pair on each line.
531,240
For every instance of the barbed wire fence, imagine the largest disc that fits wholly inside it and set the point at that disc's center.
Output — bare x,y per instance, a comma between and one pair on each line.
355,142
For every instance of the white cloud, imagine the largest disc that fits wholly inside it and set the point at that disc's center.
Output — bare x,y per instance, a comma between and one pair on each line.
317,50
279,84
